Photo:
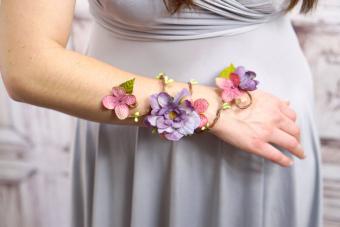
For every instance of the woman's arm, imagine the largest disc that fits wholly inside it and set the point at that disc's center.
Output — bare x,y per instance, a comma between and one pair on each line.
37,69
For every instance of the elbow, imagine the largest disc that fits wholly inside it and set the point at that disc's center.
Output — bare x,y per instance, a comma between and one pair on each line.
13,86
18,77
12,82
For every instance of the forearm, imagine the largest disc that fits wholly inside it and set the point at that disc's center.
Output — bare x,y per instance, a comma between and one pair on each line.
37,69
75,84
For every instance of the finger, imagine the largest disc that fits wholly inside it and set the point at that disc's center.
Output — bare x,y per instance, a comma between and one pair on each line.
288,142
290,127
288,111
269,152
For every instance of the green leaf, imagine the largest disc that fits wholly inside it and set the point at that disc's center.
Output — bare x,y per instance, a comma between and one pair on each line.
226,106
225,73
168,81
128,85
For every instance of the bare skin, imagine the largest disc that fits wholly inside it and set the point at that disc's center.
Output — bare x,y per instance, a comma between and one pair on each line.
37,69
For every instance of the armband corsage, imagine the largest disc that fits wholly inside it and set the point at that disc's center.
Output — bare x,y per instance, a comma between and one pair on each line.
175,117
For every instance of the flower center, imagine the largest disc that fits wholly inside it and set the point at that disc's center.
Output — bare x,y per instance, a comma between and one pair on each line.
172,115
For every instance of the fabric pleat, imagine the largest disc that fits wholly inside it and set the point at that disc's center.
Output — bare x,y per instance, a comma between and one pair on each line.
211,18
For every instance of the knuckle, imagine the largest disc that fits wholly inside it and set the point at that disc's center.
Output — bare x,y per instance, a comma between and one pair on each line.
256,143
276,157
282,104
297,131
276,118
293,144
294,115
266,131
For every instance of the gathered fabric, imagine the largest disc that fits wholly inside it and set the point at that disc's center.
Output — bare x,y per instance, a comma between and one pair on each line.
208,19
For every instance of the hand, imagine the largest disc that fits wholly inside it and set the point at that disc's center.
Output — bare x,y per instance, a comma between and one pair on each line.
267,121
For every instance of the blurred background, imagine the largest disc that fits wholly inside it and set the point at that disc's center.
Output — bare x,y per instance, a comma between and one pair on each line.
35,142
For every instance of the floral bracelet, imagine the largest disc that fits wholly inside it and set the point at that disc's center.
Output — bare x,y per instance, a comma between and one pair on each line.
175,117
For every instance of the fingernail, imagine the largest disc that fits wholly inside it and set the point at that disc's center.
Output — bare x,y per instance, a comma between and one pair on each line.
302,154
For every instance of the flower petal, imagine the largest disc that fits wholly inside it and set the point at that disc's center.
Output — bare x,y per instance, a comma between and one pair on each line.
163,111
180,95
230,94
186,106
122,111
167,130
247,81
175,136
153,101
201,105
191,123
129,100
240,70
151,120
110,102
204,120
178,124
235,79
251,74
161,123
223,83
118,91
163,99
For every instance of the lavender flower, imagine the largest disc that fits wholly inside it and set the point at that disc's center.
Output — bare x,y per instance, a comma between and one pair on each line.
172,117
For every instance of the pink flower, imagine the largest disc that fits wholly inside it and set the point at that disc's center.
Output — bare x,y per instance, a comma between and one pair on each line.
229,90
201,105
119,101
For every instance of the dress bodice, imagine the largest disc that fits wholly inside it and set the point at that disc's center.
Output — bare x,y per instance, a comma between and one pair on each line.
150,19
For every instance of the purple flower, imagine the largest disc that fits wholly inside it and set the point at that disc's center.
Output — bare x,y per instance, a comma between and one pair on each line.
247,81
172,116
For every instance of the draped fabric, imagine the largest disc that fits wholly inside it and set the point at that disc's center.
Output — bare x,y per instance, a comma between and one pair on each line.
210,18
126,176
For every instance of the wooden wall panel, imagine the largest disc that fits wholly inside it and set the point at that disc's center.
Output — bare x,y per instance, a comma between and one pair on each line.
319,36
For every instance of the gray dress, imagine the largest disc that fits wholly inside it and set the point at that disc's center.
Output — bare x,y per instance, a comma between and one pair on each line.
126,176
